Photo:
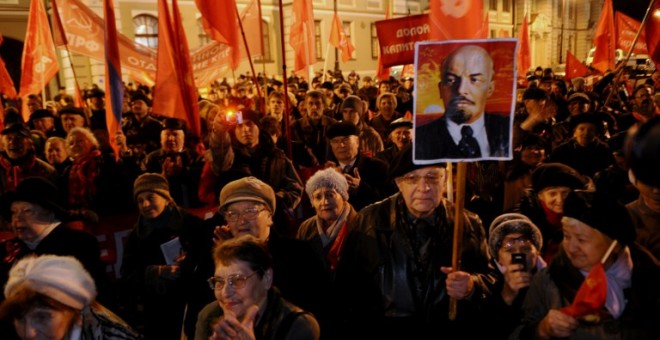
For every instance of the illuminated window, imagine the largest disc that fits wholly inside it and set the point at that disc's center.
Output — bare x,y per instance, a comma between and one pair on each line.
374,42
319,41
146,30
347,29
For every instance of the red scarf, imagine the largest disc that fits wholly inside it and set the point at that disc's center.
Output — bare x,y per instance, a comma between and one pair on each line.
333,254
15,172
82,178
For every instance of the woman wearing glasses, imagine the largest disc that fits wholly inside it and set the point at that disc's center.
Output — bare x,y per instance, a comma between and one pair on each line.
248,306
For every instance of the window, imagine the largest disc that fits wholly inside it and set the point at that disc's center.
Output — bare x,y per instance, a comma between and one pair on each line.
506,6
347,29
374,42
201,34
265,33
492,5
146,30
572,10
319,41
560,8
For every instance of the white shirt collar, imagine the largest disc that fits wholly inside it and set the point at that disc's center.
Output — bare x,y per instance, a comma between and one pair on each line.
479,133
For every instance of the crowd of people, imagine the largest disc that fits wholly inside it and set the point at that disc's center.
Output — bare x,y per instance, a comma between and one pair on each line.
322,227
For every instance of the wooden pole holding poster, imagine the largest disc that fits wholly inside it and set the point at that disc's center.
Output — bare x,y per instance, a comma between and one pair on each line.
450,182
458,229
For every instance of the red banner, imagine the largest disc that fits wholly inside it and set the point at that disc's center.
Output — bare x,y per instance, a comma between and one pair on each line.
457,19
626,28
397,38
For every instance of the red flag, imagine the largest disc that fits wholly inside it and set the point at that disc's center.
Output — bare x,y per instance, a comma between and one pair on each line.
251,19
220,21
591,296
574,67
653,33
59,37
605,40
302,38
338,39
626,29
114,89
459,19
382,72
6,83
39,63
174,94
524,58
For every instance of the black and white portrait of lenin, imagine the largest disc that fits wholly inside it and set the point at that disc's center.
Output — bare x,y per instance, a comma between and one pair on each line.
465,131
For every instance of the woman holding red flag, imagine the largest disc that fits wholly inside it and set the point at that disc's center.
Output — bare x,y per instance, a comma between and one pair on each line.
601,285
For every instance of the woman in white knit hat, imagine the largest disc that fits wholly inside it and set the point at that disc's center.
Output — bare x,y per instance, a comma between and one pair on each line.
53,297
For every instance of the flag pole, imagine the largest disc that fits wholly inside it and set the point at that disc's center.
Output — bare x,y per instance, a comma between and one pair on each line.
284,80
458,230
247,50
632,47
263,49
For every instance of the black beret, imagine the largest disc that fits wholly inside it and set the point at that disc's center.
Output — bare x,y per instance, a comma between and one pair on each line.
556,175
403,164
72,111
17,127
342,129
95,92
534,92
586,118
41,113
327,85
401,122
141,96
174,124
643,153
601,212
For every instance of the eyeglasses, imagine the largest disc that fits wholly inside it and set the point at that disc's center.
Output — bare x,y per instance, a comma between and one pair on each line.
342,140
236,281
518,245
248,214
414,179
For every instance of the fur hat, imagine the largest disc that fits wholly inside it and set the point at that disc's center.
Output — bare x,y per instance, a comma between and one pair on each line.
506,224
556,175
247,189
61,278
35,190
327,178
174,124
342,129
152,182
601,212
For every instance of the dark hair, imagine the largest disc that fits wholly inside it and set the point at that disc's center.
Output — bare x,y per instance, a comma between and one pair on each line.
244,248
270,125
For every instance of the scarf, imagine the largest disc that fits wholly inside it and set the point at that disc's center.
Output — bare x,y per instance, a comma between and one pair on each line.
331,233
15,170
340,230
618,278
82,179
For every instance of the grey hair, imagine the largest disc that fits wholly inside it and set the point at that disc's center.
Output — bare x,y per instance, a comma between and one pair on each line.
328,178
84,131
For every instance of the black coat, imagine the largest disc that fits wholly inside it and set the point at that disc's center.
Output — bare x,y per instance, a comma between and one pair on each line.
373,177
433,141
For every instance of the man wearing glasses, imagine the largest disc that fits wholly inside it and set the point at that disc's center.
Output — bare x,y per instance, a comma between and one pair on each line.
247,207
395,272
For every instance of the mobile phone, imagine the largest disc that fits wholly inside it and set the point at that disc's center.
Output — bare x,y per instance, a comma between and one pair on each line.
234,118
520,258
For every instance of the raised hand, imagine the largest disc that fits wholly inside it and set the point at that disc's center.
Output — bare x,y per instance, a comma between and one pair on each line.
229,327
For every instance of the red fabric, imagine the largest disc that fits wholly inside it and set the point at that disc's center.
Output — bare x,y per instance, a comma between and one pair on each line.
591,296
653,33
82,179
574,67
59,38
524,55
626,29
220,21
39,63
605,40
338,39
6,83
457,20
174,94
14,173
206,192
114,89
551,216
335,251
382,72
302,38
397,38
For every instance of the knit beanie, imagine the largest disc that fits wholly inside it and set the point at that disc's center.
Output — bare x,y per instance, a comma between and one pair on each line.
247,189
152,182
353,102
61,278
512,223
327,178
